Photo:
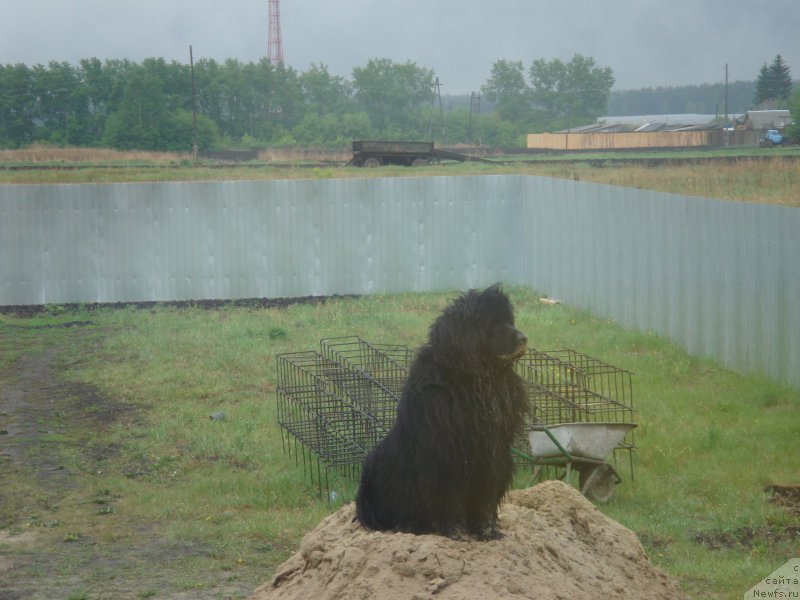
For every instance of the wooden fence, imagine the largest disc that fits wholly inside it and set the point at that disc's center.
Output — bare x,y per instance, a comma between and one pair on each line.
642,139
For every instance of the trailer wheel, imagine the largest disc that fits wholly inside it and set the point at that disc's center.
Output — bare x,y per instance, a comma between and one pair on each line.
371,162
420,162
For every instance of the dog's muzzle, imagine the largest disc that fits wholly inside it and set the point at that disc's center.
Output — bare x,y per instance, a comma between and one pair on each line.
519,351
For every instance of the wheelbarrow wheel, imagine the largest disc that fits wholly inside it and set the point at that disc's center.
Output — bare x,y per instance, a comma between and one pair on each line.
597,482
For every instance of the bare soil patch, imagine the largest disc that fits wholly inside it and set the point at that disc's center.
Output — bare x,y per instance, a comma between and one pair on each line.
748,537
31,310
787,496
51,450
37,404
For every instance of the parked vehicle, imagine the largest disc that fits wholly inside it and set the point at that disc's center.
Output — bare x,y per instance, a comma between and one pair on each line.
772,137
410,154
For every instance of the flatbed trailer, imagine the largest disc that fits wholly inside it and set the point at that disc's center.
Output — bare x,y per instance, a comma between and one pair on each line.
373,153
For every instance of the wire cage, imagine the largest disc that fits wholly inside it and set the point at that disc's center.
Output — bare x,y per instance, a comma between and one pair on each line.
385,363
334,406
313,414
565,386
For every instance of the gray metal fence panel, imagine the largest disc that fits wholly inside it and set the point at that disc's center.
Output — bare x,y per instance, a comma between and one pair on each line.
721,278
221,240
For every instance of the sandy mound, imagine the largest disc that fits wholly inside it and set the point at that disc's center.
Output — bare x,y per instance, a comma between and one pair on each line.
556,545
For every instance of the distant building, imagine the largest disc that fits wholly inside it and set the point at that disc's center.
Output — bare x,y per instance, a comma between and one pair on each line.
664,122
764,119
649,132
642,123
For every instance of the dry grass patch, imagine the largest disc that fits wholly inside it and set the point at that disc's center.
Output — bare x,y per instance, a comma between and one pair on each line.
767,178
305,154
774,181
50,154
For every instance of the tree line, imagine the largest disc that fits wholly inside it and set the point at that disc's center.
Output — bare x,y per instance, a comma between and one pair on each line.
706,99
772,89
151,105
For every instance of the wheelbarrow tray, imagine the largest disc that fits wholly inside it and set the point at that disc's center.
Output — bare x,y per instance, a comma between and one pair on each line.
580,440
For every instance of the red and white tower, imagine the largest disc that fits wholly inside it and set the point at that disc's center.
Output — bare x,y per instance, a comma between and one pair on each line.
275,45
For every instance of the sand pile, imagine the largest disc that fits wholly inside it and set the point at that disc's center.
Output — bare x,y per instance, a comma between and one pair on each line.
556,544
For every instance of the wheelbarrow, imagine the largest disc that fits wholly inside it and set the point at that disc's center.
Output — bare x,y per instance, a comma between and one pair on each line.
584,447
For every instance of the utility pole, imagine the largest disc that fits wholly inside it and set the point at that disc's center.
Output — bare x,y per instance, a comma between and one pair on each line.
725,122
437,94
726,91
474,101
194,107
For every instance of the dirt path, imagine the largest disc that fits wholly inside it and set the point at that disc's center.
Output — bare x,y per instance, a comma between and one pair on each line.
32,400
53,540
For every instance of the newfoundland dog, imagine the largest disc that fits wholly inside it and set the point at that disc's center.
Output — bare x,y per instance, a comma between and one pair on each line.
446,463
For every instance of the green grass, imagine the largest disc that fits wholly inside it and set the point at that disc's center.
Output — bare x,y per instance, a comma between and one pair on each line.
709,440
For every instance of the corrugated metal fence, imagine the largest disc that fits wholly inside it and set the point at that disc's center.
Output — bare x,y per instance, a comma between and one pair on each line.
723,278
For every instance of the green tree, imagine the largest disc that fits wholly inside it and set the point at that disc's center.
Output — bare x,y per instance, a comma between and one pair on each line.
781,78
357,126
763,85
318,129
274,99
707,98
98,82
324,93
210,93
18,106
507,87
179,135
63,108
774,82
572,93
392,95
793,131
286,107
256,100
142,117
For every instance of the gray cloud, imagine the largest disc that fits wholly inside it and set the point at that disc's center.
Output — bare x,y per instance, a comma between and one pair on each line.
645,42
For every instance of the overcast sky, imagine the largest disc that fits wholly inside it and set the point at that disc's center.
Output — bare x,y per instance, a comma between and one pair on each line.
646,43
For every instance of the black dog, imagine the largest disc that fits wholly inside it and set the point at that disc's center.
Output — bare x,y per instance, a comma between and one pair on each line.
446,463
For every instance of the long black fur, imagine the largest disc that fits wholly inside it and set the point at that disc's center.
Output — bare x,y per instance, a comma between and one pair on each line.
446,463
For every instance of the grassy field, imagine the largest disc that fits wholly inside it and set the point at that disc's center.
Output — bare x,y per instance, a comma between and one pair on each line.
157,500
765,175
120,486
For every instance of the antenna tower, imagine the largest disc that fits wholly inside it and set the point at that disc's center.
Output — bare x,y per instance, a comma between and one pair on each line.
275,45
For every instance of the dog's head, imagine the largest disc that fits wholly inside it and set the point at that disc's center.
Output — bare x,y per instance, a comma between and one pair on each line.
478,328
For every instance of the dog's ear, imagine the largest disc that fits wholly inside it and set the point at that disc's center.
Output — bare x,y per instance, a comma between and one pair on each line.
495,289
496,301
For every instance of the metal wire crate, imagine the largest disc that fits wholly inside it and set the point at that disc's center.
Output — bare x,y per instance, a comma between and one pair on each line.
338,404
565,386
335,405
386,363
313,411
